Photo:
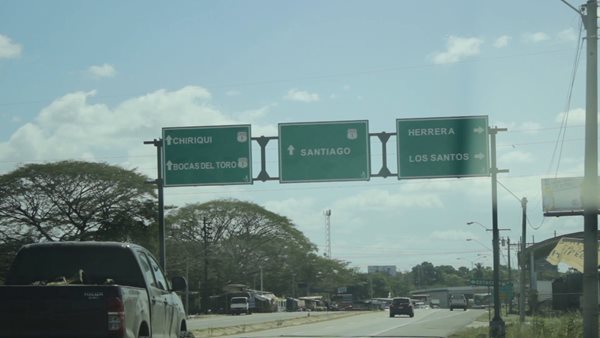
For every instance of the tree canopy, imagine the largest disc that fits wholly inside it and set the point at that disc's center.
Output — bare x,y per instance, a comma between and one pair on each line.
236,241
73,200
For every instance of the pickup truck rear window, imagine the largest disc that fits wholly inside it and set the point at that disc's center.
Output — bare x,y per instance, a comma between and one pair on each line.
56,265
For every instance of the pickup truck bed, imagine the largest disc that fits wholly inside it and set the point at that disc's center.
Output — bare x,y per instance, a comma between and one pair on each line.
65,311
89,290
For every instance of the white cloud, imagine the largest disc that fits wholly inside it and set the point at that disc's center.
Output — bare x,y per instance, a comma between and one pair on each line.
301,96
516,156
303,212
575,117
255,114
530,127
383,199
567,35
536,37
9,49
72,127
458,48
233,92
502,41
102,71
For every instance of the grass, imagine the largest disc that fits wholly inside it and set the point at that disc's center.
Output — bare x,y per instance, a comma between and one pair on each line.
561,326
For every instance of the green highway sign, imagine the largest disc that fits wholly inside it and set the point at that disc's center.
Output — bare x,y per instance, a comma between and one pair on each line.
207,155
490,282
324,151
443,147
506,291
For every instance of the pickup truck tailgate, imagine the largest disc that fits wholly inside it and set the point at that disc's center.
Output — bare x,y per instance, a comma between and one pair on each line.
55,311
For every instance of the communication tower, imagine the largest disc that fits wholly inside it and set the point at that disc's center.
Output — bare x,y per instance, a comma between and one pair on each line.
327,214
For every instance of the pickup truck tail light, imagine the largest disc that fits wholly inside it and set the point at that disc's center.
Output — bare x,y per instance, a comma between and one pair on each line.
116,317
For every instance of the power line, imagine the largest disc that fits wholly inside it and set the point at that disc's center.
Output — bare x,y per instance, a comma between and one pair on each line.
560,140
385,70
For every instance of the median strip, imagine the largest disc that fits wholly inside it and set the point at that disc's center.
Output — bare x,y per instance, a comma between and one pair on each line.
237,329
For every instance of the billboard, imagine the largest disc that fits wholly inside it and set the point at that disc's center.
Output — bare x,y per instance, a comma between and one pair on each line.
570,252
562,196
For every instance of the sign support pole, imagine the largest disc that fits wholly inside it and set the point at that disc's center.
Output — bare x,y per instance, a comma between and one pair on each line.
497,325
161,202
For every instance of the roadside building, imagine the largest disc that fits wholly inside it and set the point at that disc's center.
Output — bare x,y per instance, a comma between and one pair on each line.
440,297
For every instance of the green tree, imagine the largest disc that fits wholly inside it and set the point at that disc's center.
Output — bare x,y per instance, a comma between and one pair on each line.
73,200
482,272
236,242
424,275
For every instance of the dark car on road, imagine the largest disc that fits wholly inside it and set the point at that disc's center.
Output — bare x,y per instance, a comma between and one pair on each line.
401,306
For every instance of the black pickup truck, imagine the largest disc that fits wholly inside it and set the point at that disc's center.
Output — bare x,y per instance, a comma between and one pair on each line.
90,289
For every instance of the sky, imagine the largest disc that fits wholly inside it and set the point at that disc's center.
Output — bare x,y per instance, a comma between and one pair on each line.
83,80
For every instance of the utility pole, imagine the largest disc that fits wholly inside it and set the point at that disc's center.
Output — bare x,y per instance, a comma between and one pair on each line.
261,277
497,325
589,16
509,273
206,237
522,261
590,186
162,257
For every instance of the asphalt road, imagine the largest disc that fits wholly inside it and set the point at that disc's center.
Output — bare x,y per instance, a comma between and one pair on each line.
425,323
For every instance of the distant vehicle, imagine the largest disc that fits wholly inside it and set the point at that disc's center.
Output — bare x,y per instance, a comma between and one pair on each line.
458,302
401,306
482,300
239,305
90,289
343,301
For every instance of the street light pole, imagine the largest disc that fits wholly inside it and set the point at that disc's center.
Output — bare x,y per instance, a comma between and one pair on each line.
475,240
483,226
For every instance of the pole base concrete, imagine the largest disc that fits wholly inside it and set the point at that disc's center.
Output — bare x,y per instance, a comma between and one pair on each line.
497,328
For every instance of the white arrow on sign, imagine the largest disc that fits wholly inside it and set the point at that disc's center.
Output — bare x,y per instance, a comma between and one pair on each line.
479,156
478,130
169,140
169,165
291,150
